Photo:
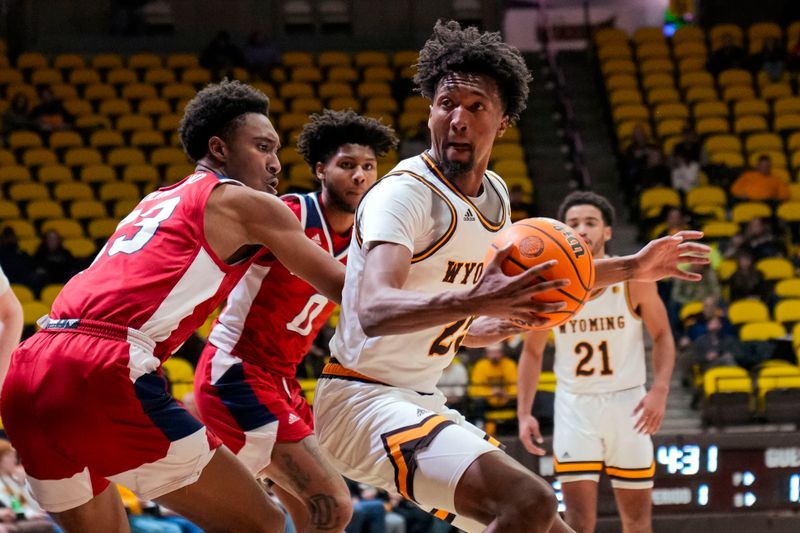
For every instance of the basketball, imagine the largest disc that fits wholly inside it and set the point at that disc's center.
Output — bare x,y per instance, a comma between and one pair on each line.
537,240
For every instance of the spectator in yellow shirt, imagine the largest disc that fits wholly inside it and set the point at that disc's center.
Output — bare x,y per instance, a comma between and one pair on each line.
760,184
494,379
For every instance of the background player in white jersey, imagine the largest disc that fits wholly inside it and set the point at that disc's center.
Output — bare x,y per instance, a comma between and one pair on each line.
600,367
415,281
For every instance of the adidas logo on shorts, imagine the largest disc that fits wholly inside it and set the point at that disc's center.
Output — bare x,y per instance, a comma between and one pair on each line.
469,216
566,455
421,412
293,418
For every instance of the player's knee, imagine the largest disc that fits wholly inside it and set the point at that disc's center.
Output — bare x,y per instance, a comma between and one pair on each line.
581,522
533,500
268,519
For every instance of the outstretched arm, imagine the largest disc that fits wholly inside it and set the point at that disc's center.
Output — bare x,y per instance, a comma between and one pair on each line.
530,370
657,260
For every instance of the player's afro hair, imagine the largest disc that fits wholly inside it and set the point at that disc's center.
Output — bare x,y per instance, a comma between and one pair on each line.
329,130
588,198
216,110
453,49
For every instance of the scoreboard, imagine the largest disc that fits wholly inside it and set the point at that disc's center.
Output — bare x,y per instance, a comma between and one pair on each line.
707,472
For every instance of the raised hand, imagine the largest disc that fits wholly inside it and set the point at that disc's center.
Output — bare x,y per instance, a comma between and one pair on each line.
660,258
530,435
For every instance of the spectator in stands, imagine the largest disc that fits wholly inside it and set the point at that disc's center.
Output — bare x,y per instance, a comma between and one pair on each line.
19,512
729,55
684,292
53,263
674,221
758,239
221,56
18,116
50,114
369,512
17,265
716,347
260,55
771,59
493,381
747,281
697,325
689,148
685,174
453,385
414,519
640,155
760,185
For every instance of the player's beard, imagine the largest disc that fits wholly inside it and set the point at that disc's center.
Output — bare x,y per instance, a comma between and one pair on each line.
339,202
457,169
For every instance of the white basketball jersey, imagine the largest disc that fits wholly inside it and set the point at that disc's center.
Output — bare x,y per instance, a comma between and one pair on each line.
451,259
601,349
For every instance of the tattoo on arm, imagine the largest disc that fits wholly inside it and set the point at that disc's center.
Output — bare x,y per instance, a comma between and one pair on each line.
323,511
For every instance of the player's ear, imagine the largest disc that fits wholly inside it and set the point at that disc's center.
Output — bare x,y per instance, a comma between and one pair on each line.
608,231
218,149
319,171
503,126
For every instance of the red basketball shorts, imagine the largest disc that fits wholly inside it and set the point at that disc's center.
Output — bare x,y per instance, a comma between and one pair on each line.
88,405
248,407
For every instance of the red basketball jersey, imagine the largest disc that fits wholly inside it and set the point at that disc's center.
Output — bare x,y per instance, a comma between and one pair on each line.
272,316
157,273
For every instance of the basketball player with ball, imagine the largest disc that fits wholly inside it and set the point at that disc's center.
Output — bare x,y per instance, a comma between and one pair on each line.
416,282
603,415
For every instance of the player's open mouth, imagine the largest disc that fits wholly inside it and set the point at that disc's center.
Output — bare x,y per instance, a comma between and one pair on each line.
460,146
272,186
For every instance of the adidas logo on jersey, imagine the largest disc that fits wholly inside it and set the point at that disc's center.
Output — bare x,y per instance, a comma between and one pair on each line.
469,216
317,239
293,418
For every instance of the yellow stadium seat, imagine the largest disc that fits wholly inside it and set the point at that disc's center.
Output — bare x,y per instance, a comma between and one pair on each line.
168,122
121,76
67,228
37,157
11,77
712,126
22,192
381,105
196,76
181,61
726,379
147,139
68,61
738,92
746,211
159,77
106,61
23,228
178,370
775,268
777,158
74,157
296,89
761,331
15,174
654,199
9,210
139,91
65,139
622,81
759,142
746,311
671,110
167,156
511,167
7,158
78,108
41,209
650,66
63,91
335,89
81,247
329,58
690,49
723,143
371,59
87,209
726,267
342,74
706,195
154,106
631,112
615,98
713,108
128,123
701,93
73,191
175,173
789,211
787,122
508,151
373,89
144,61
97,172
46,76
31,60
659,95
657,80
670,127
695,79
99,91
750,124
377,74
50,292
33,311
297,59
118,191
788,310
718,31
140,174
125,156
614,51
23,293
18,140
102,228
750,107
652,50
54,174
306,105
690,309
178,91
115,107
608,35
123,207
776,90
733,77
106,139
27,90
688,34
306,74
795,160
84,77
788,288
787,105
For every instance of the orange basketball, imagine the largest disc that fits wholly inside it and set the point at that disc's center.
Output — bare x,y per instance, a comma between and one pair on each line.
537,240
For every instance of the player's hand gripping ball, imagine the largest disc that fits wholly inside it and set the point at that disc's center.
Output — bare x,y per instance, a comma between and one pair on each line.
536,240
